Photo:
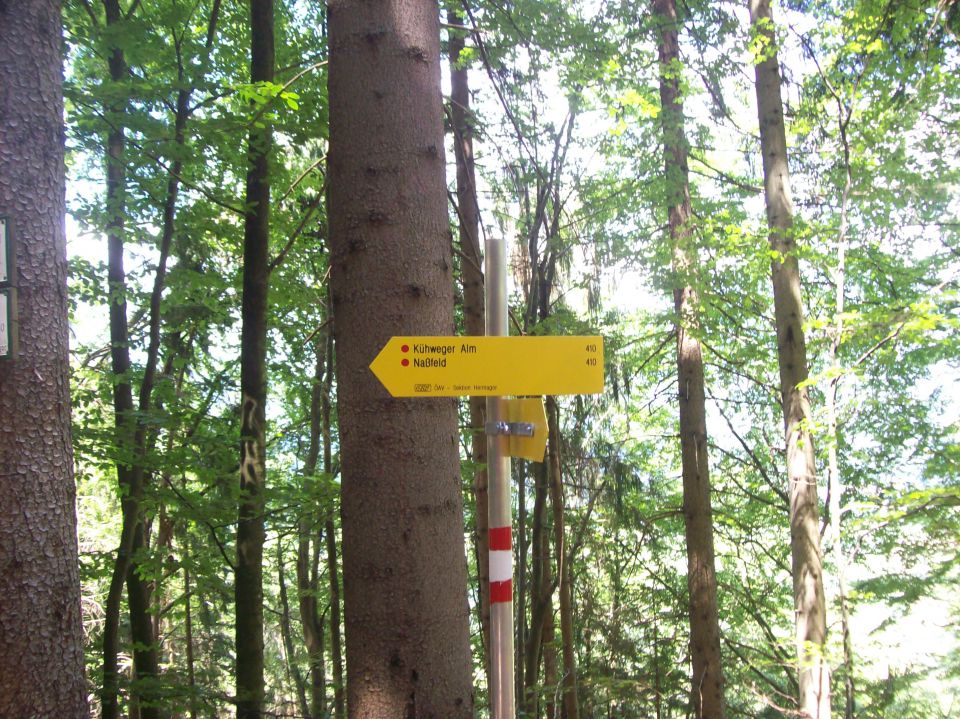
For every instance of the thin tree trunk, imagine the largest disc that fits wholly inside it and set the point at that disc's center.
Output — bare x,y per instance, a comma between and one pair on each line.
809,601
130,433
835,484
521,609
571,699
286,635
122,391
188,631
41,640
307,582
706,692
614,657
166,525
834,478
336,646
551,682
142,632
131,477
542,276
657,672
163,547
145,629
473,308
248,588
540,591
405,574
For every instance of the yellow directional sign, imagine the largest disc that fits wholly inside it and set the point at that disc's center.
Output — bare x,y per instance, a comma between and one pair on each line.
490,366
528,410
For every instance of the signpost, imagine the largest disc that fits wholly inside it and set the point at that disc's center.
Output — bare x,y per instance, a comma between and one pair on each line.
496,367
492,366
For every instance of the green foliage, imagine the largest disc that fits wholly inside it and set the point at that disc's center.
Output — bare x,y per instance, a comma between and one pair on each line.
567,117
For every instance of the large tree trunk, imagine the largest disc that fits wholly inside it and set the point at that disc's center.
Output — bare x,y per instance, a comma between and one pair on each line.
405,576
809,601
468,213
41,644
248,589
707,679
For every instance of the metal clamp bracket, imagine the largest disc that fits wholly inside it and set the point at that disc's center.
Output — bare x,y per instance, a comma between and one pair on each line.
516,429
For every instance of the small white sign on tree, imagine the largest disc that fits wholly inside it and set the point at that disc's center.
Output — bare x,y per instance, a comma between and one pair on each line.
4,253
4,324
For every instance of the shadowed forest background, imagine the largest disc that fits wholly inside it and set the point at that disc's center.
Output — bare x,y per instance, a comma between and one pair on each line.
242,235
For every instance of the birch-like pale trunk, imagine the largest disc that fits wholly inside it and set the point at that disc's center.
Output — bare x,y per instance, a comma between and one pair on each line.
809,601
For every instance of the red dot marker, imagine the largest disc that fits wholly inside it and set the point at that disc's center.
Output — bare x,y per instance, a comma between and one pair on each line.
405,362
405,348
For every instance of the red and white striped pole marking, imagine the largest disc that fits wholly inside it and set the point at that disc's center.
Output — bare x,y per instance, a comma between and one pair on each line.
501,565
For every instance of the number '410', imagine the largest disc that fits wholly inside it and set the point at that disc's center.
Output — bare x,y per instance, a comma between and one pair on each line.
591,361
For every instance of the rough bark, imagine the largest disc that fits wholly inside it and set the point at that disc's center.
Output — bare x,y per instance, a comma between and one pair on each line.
809,601
41,635
405,577
471,274
248,589
707,676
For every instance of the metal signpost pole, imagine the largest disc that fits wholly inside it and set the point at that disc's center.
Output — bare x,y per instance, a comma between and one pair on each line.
498,478
492,367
